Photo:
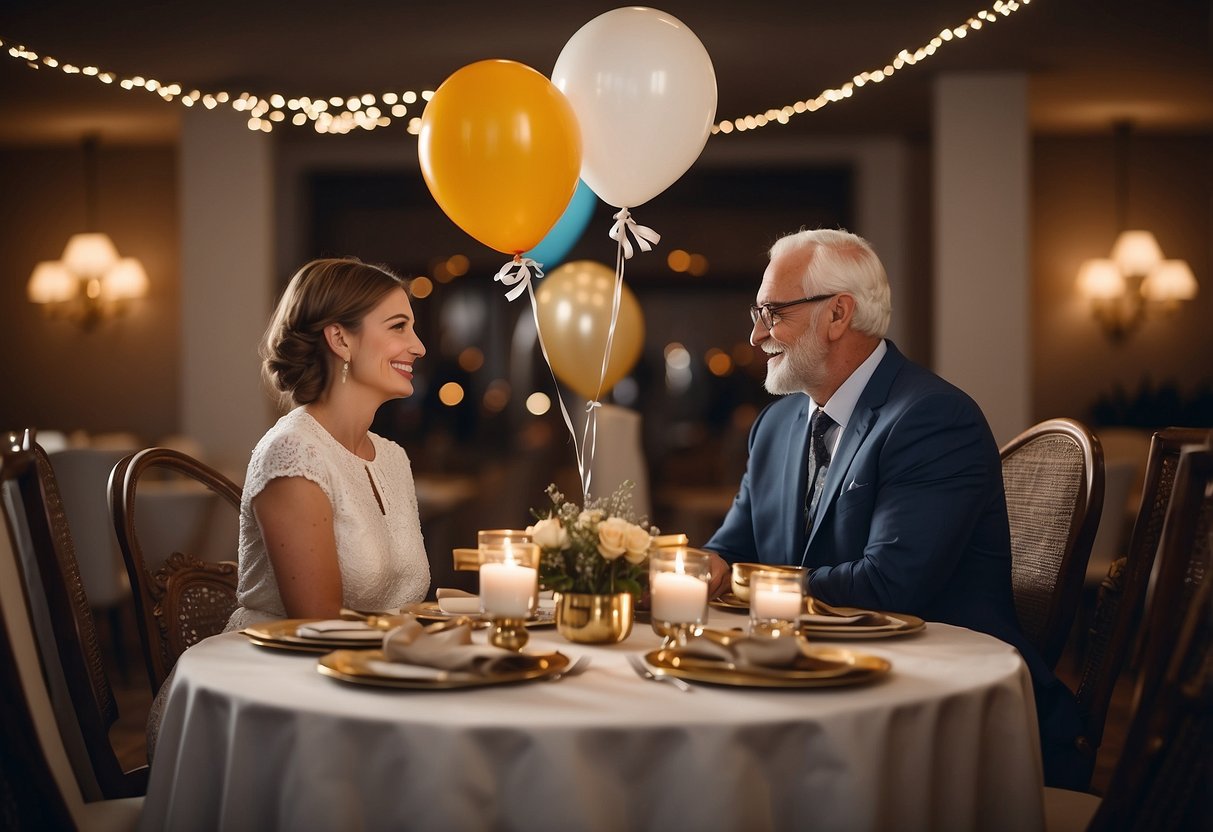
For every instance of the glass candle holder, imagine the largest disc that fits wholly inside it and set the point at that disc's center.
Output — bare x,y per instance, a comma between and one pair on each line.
678,592
499,537
776,601
509,589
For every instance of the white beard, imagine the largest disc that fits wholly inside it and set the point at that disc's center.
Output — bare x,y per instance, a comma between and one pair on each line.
802,367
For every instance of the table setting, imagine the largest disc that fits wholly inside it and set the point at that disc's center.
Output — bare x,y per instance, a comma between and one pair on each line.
602,736
430,645
477,711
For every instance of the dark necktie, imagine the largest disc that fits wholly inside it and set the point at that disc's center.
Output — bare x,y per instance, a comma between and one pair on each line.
819,463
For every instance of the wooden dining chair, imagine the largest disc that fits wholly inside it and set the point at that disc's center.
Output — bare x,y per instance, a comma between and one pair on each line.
1122,595
29,795
80,692
1054,479
1185,558
186,599
1167,767
1161,780
38,786
80,476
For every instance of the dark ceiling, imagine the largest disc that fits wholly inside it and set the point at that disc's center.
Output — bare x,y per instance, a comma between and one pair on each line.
1090,61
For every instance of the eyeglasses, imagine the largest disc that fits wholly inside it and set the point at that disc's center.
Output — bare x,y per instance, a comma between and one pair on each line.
767,312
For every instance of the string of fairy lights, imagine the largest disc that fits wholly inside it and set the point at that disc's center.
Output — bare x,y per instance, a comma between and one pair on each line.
369,111
904,58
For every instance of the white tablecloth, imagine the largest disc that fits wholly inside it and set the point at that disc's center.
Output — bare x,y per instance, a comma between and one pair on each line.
257,739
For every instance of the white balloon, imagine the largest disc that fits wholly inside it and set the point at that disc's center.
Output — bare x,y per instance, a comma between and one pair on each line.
644,92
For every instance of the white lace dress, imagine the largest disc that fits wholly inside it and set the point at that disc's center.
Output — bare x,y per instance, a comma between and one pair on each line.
375,521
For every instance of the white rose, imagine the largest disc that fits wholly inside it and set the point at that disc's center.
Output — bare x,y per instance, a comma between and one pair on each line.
637,542
611,533
549,534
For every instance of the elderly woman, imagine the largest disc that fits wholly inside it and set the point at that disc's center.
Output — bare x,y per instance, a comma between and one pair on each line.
329,515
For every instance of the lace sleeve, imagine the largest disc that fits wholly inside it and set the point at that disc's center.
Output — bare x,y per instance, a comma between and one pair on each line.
287,455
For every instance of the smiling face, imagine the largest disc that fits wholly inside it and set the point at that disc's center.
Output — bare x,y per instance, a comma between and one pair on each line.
383,351
796,349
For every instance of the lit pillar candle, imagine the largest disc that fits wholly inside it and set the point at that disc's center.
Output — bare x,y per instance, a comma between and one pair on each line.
775,603
508,589
678,598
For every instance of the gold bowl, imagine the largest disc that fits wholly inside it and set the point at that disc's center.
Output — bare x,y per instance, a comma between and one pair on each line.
594,619
743,571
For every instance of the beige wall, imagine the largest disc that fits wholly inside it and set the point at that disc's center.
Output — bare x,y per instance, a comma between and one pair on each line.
981,166
1075,217
123,374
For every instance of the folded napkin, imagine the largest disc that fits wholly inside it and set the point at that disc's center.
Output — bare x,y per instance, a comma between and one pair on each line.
448,647
867,621
339,630
457,602
821,614
742,652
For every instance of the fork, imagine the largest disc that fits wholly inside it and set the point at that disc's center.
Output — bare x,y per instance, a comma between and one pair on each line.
642,670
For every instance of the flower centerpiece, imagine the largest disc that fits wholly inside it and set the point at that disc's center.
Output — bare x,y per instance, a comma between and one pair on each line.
591,553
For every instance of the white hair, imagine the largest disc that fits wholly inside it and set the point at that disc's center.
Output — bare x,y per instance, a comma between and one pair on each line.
843,262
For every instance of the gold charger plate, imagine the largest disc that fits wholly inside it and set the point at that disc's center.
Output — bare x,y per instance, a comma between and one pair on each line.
429,611
729,601
825,667
914,624
280,635
358,667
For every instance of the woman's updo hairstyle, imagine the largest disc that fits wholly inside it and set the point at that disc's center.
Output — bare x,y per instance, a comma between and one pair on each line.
294,352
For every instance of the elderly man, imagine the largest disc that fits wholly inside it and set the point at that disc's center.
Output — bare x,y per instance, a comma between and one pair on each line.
872,471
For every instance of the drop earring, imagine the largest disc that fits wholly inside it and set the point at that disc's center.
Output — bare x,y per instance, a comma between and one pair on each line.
345,372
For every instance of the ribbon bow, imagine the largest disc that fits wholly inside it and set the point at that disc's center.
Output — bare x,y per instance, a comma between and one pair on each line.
644,235
521,279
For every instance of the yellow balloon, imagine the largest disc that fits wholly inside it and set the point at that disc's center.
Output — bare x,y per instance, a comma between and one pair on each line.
574,304
500,150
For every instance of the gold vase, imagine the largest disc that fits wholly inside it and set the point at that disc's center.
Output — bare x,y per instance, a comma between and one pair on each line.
594,619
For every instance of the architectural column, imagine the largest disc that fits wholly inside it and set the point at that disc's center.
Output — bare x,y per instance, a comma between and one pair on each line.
981,162
226,175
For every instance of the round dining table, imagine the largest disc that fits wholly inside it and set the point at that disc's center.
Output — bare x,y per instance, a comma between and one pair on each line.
254,738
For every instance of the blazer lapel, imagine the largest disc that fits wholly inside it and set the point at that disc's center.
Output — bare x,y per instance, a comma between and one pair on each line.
862,419
796,465
857,430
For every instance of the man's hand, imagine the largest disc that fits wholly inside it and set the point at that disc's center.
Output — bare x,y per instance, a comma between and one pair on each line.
721,575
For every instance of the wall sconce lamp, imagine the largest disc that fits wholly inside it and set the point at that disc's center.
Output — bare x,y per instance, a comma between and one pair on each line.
90,281
1136,277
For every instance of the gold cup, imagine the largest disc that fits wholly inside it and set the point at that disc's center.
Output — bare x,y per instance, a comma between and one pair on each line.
742,571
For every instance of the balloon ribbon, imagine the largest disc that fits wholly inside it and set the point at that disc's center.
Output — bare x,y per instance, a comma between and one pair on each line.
520,279
645,236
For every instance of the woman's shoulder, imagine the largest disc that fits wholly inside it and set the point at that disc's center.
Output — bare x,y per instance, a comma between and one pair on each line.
292,447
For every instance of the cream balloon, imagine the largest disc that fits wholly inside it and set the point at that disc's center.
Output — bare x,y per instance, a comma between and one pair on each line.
573,309
644,92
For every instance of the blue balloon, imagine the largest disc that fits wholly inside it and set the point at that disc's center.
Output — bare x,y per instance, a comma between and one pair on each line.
556,246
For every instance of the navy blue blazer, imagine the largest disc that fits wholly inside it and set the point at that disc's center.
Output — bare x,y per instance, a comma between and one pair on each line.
912,517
